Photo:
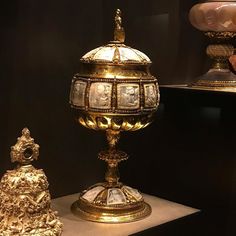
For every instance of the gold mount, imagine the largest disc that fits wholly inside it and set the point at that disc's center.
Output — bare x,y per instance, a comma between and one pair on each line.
112,156
134,208
219,51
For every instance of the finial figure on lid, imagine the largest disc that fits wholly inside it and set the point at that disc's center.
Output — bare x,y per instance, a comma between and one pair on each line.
119,33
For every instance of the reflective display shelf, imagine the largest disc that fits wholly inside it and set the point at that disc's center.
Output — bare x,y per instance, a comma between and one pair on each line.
163,211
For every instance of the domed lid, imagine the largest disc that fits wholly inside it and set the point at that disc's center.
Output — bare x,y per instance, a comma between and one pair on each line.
116,52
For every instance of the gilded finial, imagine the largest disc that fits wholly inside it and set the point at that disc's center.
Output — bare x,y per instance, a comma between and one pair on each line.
25,150
119,33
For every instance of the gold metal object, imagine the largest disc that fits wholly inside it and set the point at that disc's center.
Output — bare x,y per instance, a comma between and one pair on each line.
219,75
119,33
216,20
114,92
25,202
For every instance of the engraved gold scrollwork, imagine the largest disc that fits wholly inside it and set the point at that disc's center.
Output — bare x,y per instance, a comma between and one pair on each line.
220,35
25,202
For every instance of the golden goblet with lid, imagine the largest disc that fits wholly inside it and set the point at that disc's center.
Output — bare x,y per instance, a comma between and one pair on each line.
113,92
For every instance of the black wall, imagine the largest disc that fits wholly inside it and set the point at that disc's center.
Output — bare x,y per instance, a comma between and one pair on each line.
42,42
187,155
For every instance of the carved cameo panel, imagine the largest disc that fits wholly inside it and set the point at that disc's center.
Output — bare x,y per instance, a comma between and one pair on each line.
93,193
115,196
100,95
78,95
151,95
133,192
128,96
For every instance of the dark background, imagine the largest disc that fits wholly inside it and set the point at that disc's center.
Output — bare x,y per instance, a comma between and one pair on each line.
187,155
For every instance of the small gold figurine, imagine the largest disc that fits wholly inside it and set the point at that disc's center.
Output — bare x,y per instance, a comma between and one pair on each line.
25,202
119,32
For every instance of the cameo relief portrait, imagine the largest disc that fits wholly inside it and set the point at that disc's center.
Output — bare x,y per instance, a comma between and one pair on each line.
133,192
128,96
93,193
115,196
151,95
79,93
100,95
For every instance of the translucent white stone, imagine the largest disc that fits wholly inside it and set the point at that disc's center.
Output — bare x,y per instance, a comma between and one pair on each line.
106,53
115,196
100,95
133,192
214,16
92,193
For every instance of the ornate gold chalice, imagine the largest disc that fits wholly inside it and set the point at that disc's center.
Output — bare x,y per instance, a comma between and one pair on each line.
113,92
217,19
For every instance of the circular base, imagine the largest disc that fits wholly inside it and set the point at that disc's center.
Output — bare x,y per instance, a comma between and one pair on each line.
216,79
111,203
110,215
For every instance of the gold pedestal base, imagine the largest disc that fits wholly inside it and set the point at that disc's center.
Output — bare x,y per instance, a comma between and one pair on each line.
104,215
111,201
216,79
100,210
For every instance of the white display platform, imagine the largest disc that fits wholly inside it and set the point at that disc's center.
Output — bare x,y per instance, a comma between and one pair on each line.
163,211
